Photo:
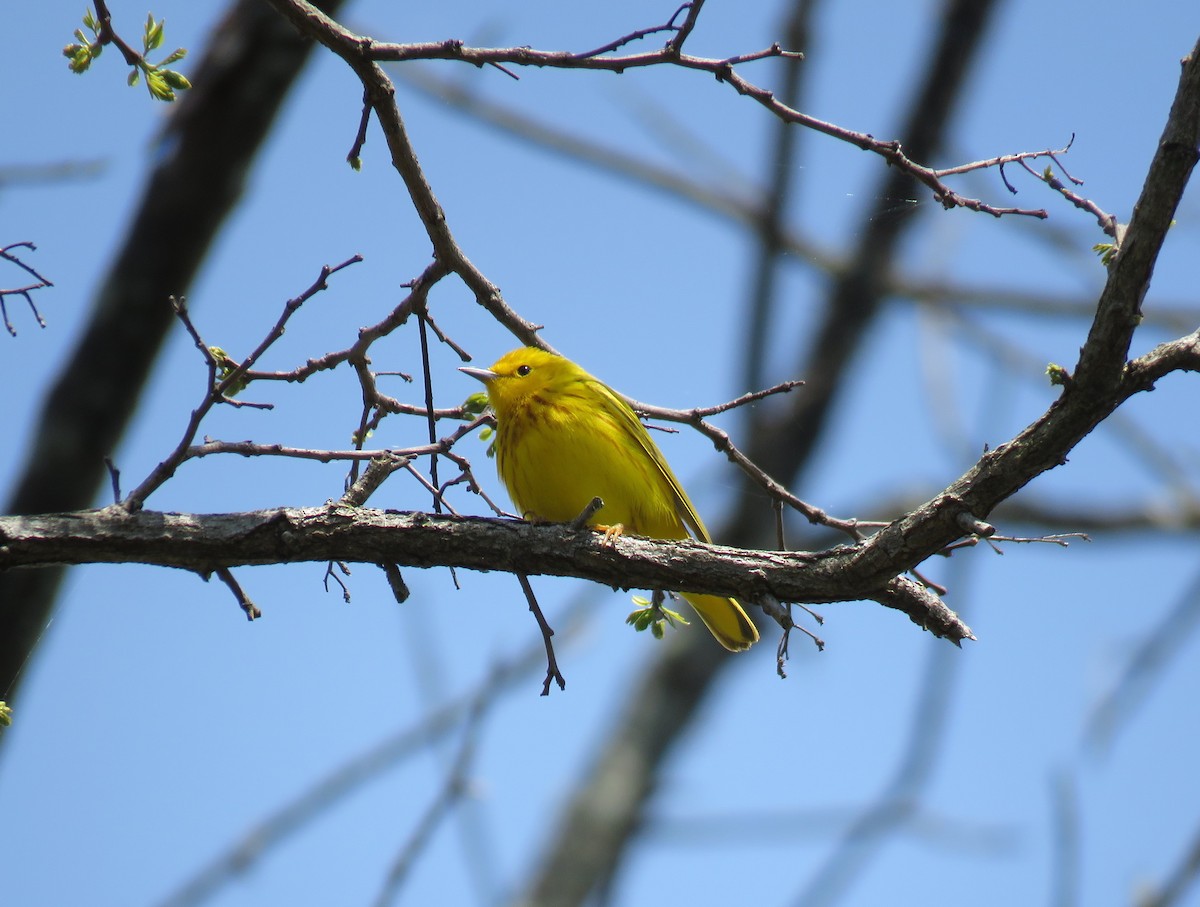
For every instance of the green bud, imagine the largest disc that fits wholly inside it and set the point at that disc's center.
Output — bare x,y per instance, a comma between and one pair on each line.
159,89
475,404
152,36
81,60
175,79
1059,376
1107,252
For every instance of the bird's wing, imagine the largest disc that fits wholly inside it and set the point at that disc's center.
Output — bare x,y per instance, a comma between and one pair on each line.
628,419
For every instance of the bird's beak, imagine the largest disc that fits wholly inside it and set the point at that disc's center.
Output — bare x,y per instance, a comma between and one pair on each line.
482,374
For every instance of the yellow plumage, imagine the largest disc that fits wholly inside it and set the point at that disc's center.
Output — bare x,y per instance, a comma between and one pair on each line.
563,437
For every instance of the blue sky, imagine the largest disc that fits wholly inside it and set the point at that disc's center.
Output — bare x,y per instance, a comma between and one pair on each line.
157,726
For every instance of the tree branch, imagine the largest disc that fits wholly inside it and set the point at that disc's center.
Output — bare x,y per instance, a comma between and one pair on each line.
1103,378
211,542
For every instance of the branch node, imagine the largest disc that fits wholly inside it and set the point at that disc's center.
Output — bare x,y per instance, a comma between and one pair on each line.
396,582
581,521
972,525
225,575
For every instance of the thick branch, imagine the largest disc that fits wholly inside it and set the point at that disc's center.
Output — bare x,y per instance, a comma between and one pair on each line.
207,542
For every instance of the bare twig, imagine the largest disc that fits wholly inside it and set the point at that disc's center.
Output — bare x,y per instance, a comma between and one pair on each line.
396,583
640,33
752,211
114,476
217,392
1001,160
553,674
418,291
109,36
1107,222
24,292
225,575
382,466
722,442
289,309
585,515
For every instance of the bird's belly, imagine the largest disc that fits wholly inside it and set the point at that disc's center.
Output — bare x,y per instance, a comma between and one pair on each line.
553,474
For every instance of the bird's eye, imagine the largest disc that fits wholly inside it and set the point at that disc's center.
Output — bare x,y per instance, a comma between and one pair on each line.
524,370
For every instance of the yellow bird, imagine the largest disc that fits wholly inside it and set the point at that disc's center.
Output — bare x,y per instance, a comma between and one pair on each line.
564,437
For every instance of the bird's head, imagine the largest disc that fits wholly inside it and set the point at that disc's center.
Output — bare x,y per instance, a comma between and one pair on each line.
524,374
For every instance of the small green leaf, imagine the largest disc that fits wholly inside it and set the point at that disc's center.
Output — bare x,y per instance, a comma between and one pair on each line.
5,714
175,56
153,37
639,619
652,617
134,77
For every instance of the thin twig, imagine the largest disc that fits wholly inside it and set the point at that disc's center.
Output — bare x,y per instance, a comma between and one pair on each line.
1108,222
225,575
114,475
552,671
216,392
25,291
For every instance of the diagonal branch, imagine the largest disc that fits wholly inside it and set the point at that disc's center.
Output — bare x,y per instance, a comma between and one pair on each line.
380,95
1103,378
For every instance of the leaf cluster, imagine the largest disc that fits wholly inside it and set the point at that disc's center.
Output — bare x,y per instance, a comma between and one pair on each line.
652,616
161,82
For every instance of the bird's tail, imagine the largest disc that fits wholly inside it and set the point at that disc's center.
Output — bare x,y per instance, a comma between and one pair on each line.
725,620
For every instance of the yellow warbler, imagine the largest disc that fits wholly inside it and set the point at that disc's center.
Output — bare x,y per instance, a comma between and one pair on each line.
564,437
